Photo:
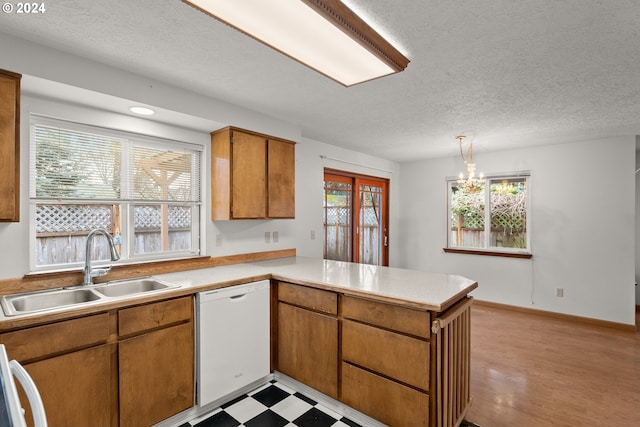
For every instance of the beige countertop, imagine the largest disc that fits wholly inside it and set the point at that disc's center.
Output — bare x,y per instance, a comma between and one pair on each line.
423,290
411,288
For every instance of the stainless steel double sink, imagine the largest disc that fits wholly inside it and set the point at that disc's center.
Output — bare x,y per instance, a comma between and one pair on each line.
57,299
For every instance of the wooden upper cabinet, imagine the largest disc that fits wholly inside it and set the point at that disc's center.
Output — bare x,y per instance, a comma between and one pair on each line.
9,146
252,175
249,173
281,183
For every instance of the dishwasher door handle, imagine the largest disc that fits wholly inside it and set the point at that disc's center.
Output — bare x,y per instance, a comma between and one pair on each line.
238,296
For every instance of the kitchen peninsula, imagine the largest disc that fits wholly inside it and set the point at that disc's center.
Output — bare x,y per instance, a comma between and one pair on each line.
394,342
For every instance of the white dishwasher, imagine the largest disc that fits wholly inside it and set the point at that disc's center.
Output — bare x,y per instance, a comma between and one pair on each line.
233,339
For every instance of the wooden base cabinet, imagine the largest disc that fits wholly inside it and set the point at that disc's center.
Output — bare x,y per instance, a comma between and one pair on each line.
386,358
72,365
307,337
386,361
156,365
75,387
128,367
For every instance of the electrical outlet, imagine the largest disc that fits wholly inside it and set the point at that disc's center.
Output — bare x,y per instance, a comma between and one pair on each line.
267,237
559,292
313,234
275,237
218,239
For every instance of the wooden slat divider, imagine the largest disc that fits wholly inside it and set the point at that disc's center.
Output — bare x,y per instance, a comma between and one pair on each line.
452,338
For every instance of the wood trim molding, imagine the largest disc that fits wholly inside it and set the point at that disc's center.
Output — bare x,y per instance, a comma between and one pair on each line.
42,281
488,253
10,146
559,316
356,28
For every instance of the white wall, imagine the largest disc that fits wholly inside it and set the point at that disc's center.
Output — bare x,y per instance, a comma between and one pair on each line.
582,228
237,236
596,272
248,236
637,198
309,190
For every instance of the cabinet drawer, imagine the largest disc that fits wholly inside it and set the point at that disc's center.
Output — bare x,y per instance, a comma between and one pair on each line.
304,296
400,357
401,319
156,315
56,338
387,401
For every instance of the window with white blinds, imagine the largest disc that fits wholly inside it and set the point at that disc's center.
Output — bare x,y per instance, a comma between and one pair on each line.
145,191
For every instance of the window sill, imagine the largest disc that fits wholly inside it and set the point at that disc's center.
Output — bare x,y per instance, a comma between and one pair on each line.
488,253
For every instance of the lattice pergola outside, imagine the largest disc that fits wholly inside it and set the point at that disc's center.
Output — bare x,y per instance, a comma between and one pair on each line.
81,219
164,169
508,213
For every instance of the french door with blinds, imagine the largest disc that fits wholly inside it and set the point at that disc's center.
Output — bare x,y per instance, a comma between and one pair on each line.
355,218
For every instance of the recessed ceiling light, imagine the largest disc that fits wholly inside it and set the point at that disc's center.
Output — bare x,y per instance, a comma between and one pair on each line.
324,35
142,110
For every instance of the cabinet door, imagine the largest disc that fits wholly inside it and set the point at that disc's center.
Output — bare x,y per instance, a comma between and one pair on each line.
9,146
156,375
76,388
281,183
249,168
308,348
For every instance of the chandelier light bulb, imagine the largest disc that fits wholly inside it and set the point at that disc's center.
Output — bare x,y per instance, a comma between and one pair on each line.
470,183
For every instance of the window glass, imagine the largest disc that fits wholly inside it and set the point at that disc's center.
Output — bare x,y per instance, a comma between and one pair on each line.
467,216
501,226
144,191
509,213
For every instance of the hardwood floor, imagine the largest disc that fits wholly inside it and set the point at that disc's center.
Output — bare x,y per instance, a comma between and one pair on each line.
533,371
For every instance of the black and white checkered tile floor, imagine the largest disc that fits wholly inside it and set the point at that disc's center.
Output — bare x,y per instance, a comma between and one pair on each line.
273,405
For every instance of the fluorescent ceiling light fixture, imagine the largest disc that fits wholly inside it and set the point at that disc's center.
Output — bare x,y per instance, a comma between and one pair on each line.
142,110
324,35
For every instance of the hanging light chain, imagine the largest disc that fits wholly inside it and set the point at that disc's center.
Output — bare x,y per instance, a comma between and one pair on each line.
470,183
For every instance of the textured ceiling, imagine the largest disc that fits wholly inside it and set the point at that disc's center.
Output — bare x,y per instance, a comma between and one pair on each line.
514,73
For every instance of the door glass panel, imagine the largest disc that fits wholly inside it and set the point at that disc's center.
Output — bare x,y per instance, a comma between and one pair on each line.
370,219
337,220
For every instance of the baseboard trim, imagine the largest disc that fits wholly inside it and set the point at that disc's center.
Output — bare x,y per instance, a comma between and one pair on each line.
560,316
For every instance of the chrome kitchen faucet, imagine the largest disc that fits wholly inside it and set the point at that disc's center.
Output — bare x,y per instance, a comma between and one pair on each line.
90,273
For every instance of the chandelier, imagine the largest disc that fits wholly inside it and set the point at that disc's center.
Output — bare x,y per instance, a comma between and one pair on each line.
470,183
